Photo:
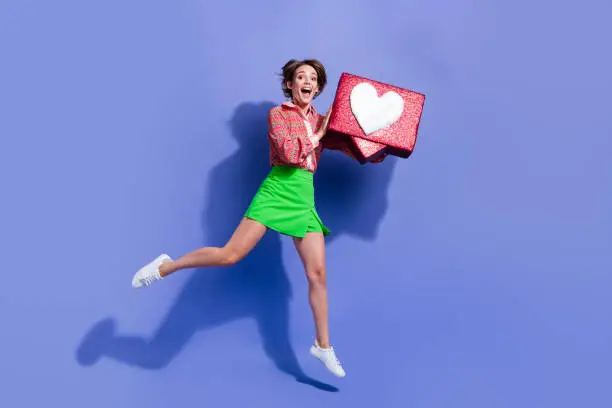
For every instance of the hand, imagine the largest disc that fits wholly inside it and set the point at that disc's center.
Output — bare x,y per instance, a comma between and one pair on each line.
380,159
323,129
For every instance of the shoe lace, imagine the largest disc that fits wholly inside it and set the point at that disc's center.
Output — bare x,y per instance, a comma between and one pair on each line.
147,280
333,353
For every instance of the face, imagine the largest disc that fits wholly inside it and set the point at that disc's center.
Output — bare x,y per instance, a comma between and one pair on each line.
304,86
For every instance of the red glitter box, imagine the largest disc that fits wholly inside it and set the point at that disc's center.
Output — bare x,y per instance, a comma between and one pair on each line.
374,118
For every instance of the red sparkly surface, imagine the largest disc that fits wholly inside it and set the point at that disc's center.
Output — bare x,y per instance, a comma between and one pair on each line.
397,139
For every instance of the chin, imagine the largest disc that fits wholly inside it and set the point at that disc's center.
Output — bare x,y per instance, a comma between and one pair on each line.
302,100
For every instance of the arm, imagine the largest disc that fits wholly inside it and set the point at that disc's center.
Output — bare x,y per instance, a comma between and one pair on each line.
336,144
327,143
380,159
292,149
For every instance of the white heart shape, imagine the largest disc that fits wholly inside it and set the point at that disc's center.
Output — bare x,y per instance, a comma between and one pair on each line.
374,113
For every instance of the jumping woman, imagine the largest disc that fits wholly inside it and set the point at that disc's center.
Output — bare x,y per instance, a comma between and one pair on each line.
284,201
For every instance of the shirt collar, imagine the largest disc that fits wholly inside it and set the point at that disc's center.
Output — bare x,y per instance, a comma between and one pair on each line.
311,109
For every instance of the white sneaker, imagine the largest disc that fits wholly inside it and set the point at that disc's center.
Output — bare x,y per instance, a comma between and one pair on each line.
328,357
149,273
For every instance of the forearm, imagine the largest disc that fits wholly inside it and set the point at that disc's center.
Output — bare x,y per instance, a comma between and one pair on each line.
339,145
291,145
294,150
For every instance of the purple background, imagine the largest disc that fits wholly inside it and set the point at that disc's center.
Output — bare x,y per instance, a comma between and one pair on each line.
474,274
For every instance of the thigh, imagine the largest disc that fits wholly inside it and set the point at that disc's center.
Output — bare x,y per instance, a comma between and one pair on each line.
311,250
248,233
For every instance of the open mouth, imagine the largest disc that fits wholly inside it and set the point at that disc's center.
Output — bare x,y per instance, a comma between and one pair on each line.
306,92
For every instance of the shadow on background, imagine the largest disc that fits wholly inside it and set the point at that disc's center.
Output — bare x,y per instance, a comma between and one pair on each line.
351,199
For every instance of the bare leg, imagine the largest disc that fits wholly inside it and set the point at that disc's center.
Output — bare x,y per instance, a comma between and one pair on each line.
311,250
247,235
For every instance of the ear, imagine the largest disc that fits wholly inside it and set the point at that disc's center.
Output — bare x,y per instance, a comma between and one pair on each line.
290,85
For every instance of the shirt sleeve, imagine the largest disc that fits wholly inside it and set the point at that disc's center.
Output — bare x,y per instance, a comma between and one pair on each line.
332,144
335,144
290,147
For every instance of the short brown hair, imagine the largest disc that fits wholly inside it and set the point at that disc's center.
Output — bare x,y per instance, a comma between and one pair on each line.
290,68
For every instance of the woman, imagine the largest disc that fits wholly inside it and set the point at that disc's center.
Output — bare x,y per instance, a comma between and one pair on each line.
284,201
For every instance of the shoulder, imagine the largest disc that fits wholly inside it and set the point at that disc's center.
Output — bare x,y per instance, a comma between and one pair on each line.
279,117
278,112
320,118
275,110
276,115
317,115
284,107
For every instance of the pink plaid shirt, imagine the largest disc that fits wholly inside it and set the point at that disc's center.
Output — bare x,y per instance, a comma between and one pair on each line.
292,140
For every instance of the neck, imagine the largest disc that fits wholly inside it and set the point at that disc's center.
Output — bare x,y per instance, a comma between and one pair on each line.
303,107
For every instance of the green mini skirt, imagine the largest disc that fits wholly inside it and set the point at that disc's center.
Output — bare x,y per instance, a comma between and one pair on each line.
285,203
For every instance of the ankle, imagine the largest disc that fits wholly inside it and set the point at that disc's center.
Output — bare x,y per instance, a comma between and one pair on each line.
165,268
323,344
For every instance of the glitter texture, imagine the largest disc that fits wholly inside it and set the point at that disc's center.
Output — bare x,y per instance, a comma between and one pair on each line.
397,139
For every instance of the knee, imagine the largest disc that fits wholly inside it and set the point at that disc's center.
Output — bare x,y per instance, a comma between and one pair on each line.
230,256
316,275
